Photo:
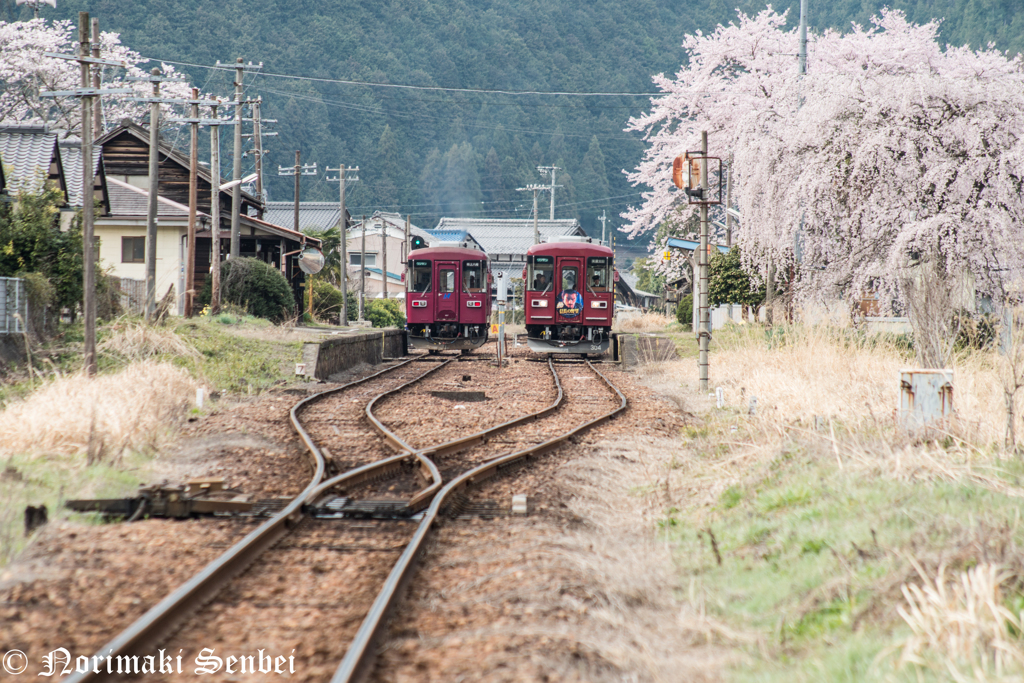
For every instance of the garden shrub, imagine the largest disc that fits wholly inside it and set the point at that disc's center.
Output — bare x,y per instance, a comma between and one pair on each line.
385,312
258,287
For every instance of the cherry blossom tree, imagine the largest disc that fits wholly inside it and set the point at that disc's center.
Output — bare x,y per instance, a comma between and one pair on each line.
25,72
889,151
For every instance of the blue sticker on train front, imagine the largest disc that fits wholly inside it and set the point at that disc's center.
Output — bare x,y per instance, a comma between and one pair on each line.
570,303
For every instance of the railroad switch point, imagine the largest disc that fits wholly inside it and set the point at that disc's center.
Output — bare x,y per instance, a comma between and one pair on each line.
520,504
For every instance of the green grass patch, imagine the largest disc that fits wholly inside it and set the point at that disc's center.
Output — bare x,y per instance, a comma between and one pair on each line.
809,557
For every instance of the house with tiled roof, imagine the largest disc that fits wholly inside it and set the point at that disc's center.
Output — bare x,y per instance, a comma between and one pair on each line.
506,239
31,158
122,231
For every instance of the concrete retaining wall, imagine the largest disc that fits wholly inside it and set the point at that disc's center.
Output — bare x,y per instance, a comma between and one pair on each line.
638,349
339,353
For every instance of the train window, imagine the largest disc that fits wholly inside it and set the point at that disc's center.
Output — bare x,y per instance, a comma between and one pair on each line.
570,278
420,276
541,273
473,276
599,274
446,281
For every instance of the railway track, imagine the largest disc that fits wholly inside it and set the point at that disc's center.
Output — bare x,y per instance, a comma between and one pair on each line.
369,545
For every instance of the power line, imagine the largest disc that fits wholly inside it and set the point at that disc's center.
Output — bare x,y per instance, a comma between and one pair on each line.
428,88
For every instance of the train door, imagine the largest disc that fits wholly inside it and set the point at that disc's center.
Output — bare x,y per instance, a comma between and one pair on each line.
569,306
447,279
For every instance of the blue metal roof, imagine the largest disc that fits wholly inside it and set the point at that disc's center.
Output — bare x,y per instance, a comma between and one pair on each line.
690,245
377,271
448,235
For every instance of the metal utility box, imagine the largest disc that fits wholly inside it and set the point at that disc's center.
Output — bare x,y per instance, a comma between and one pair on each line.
926,397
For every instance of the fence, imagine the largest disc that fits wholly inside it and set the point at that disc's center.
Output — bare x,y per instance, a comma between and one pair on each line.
13,305
129,294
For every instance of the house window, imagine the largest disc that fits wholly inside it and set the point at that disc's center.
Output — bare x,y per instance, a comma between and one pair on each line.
353,259
133,250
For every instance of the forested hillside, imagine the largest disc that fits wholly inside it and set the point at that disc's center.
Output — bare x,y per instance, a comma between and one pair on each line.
430,153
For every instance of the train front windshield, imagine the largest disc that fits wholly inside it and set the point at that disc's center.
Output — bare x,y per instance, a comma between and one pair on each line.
541,273
599,274
421,276
472,276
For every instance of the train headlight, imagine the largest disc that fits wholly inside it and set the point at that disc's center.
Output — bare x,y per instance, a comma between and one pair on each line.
539,303
419,304
474,304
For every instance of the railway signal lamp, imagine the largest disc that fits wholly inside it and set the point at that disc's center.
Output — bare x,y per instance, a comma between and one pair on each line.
418,242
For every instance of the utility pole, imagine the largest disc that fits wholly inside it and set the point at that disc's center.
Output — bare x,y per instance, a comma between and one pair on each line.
236,162
407,250
193,194
154,186
154,179
384,255
535,189
728,204
803,37
299,170
97,105
551,188
705,330
195,121
215,213
86,93
342,179
603,217
362,272
257,138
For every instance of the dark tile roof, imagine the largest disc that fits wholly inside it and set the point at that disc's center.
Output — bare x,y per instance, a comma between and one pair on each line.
26,151
71,158
125,202
319,216
509,236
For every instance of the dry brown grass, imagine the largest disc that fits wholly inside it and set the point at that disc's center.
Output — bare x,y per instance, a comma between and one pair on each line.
641,322
103,417
135,341
961,626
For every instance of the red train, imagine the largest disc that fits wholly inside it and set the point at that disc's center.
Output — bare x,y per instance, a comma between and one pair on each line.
447,299
570,296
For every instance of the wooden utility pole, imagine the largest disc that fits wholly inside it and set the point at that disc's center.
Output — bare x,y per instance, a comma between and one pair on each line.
728,204
705,328
342,180
384,254
97,105
193,195
407,250
257,140
154,187
236,163
362,272
88,227
215,214
298,169
86,93
194,121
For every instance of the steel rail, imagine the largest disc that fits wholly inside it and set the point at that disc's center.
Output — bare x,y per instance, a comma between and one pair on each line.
421,498
361,656
178,605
